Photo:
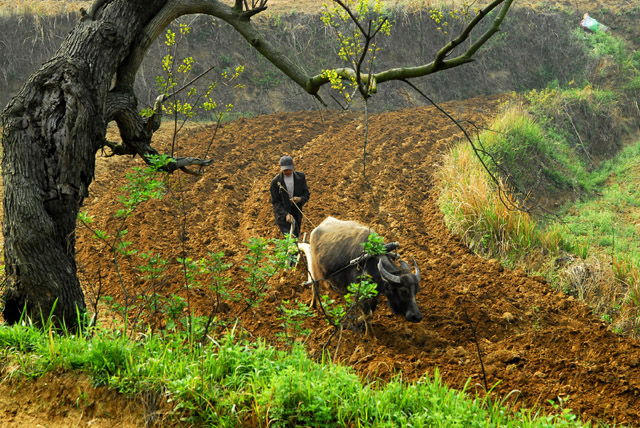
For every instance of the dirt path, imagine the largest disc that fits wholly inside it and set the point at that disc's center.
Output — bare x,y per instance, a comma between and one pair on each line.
541,343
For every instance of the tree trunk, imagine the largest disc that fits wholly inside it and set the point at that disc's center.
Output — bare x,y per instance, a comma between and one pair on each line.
52,131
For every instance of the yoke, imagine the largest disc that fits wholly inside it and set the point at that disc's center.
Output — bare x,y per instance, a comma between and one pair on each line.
389,248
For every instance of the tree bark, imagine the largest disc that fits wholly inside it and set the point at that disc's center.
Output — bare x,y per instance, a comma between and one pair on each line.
52,131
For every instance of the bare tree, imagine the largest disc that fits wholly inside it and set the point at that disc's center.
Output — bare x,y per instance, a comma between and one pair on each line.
55,125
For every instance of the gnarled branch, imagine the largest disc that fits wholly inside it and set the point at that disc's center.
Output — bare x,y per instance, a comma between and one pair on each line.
136,132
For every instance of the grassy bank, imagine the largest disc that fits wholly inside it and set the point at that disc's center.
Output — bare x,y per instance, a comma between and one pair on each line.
552,187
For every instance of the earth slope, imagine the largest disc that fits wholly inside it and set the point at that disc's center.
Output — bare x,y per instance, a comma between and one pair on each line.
480,319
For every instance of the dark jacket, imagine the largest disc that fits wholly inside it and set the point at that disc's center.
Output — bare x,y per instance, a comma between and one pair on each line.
281,200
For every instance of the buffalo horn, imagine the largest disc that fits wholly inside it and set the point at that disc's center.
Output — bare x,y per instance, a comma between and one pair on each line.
405,266
386,275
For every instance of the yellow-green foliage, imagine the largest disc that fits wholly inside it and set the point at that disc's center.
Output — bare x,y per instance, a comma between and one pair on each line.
357,48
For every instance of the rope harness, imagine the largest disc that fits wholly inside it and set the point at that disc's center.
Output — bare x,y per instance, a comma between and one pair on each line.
390,248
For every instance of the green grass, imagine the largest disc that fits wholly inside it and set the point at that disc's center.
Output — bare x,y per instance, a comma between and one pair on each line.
609,217
518,140
609,223
231,381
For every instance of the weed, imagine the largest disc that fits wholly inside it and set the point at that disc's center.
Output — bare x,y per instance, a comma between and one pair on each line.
316,395
293,316
265,257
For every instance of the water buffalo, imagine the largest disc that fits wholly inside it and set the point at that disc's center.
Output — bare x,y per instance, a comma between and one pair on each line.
334,244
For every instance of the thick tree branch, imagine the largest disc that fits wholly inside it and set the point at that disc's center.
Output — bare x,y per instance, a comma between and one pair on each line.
236,17
233,16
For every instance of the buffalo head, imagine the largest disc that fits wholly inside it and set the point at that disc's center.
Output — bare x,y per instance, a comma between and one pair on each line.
400,287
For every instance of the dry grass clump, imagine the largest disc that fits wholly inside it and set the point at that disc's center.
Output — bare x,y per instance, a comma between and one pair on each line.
41,7
592,281
612,294
627,274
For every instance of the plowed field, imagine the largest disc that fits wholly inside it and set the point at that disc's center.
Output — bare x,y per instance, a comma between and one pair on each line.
478,316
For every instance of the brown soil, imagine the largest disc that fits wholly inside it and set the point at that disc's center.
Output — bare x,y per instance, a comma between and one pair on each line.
62,400
532,339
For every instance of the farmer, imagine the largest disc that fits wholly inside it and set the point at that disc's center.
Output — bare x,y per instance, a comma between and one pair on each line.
289,193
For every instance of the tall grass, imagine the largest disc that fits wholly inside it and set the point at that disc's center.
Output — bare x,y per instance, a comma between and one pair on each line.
476,208
517,141
234,382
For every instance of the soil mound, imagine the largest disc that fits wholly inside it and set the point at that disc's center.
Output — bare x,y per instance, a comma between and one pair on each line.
531,339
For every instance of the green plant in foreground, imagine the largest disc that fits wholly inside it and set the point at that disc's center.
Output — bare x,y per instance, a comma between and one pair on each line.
155,274
374,245
358,292
293,316
143,184
265,257
218,284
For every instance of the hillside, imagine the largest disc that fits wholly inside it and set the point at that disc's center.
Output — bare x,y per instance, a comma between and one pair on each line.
479,318
506,64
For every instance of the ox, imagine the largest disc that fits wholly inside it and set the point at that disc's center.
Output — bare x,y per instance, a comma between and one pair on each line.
332,248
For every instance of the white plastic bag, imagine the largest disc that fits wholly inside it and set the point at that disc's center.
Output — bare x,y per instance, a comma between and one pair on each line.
591,24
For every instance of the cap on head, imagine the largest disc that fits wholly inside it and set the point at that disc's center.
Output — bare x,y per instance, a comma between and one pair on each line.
286,162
